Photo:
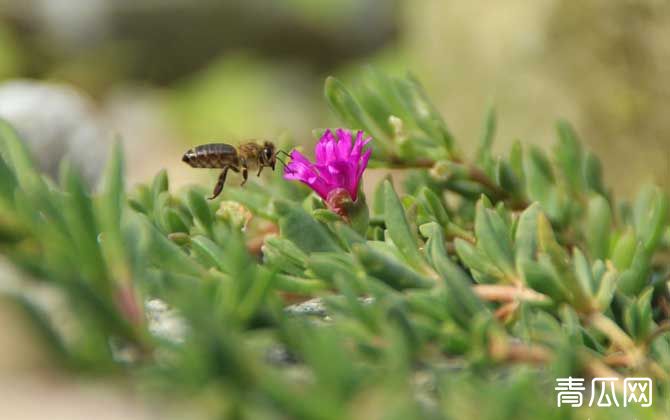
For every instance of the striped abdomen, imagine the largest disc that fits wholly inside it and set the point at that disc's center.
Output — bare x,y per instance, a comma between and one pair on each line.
214,155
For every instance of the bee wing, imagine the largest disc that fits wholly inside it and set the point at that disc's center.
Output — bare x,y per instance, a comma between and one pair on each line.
217,148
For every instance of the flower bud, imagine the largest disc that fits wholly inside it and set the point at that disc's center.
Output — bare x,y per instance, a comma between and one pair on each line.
356,213
234,213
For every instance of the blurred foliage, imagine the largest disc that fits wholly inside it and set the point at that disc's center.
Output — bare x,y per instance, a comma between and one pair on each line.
238,95
599,64
162,42
621,63
327,13
466,297
10,57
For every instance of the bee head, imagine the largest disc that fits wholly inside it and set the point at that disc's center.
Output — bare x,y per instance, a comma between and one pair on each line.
268,156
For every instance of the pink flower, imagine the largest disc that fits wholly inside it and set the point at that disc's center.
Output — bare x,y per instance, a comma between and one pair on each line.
338,168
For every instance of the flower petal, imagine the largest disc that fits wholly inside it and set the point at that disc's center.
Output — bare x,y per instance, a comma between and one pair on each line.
320,150
344,144
339,164
358,146
299,157
363,164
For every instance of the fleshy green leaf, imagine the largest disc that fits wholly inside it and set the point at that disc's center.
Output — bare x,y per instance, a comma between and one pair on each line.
544,280
462,303
598,227
160,183
569,156
608,285
475,259
301,229
201,212
526,234
493,237
110,212
389,270
209,252
624,250
583,272
651,215
432,206
399,230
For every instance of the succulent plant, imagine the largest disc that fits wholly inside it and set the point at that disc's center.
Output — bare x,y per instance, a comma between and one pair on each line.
465,297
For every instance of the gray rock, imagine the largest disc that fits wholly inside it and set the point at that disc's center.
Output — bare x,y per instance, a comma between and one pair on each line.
317,308
56,121
280,356
313,307
164,322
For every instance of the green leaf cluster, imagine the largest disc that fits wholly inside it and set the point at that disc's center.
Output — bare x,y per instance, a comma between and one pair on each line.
466,295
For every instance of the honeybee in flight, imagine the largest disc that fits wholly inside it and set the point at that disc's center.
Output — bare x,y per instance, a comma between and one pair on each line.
247,156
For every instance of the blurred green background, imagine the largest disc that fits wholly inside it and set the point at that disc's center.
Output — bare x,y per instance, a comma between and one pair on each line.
169,74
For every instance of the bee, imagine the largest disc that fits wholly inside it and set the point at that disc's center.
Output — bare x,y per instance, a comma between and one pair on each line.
247,156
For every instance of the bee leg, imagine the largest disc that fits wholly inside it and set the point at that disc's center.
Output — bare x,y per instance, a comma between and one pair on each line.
260,169
219,184
245,175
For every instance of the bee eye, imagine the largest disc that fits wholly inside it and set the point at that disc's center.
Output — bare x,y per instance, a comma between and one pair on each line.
268,154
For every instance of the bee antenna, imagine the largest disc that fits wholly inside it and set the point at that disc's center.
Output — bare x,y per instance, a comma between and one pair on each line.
286,154
281,161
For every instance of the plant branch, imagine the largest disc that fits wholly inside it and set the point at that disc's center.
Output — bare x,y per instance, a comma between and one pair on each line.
500,293
475,174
